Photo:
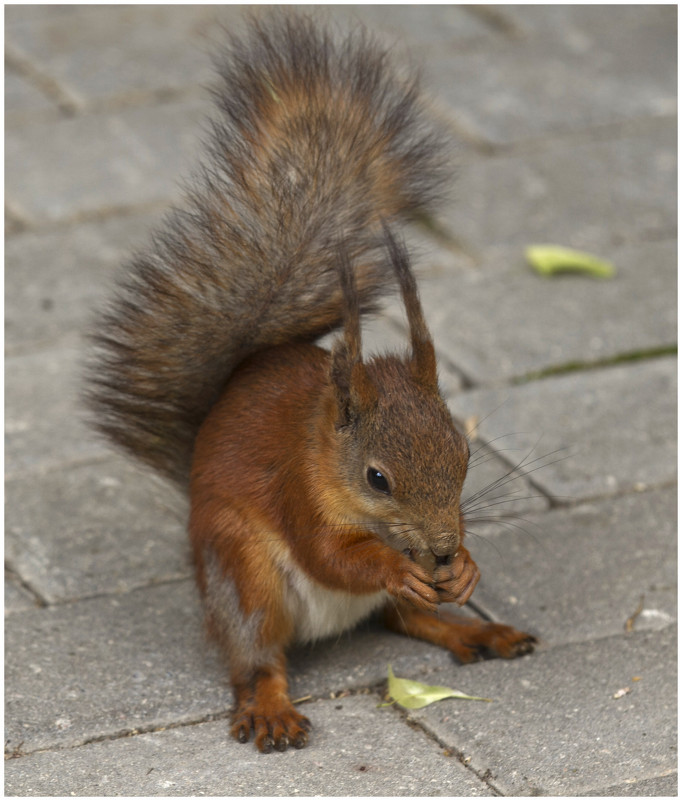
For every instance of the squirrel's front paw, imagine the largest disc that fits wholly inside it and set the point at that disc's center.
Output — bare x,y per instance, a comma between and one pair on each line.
456,581
413,584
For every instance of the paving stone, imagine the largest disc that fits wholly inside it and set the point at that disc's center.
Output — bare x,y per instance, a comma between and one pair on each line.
601,432
22,96
561,574
158,673
107,665
358,659
94,529
659,786
609,75
26,14
577,193
44,422
605,181
138,661
555,728
391,759
14,222
501,320
443,25
17,597
108,51
96,163
580,23
54,279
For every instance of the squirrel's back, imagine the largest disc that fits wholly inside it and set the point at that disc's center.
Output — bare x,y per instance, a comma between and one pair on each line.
317,143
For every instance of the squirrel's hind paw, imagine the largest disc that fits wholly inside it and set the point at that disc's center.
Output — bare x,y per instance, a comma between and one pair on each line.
491,640
272,727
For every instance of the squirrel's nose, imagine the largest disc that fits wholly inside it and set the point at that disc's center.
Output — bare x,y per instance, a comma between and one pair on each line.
444,555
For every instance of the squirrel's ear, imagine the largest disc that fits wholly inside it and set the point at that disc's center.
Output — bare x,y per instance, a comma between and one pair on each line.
423,353
353,387
354,390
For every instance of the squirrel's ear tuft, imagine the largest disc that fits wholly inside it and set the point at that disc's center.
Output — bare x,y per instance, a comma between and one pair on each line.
354,389
424,366
423,361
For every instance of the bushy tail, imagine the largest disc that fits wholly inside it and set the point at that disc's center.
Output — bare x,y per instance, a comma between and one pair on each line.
316,142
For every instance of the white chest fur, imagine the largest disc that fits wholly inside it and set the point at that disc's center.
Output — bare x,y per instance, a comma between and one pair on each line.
320,612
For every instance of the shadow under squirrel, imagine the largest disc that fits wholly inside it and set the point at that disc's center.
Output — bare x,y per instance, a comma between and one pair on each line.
321,486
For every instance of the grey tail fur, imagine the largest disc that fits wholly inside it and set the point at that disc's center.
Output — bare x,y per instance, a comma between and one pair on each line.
317,141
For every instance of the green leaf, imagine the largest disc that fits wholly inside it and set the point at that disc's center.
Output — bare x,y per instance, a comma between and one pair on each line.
415,695
552,259
271,89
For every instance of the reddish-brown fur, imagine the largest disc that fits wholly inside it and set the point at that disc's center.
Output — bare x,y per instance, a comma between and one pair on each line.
322,486
269,480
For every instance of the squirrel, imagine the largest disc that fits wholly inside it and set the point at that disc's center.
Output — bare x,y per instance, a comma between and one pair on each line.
322,486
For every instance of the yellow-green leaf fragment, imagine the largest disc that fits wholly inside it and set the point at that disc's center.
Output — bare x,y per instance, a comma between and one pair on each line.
415,695
271,89
552,259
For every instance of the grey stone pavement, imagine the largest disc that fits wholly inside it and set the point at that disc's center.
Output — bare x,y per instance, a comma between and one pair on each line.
565,122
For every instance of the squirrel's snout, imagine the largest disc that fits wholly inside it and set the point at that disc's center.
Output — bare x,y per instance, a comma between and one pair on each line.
445,550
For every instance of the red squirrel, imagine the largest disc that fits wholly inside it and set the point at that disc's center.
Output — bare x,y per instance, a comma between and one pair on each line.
322,486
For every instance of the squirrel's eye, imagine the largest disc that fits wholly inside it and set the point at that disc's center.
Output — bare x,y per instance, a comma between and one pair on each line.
378,481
